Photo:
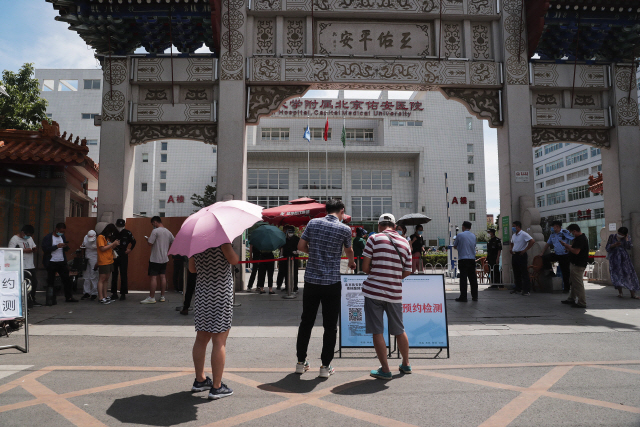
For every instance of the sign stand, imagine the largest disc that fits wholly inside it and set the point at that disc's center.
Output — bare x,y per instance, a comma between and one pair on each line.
13,291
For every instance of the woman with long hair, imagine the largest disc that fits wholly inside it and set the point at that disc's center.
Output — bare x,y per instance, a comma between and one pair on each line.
213,314
623,275
106,242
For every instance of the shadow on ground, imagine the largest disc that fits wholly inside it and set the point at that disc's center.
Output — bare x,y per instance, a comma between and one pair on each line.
157,410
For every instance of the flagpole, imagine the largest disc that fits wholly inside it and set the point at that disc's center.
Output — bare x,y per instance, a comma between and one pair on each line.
326,161
308,164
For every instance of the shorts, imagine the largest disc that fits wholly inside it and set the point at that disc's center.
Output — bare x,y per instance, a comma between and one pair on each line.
157,268
105,269
373,315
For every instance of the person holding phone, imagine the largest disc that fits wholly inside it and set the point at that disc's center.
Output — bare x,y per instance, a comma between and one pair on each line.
25,241
557,239
55,246
623,274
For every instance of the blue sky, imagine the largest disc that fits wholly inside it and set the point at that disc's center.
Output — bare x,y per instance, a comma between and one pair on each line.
30,33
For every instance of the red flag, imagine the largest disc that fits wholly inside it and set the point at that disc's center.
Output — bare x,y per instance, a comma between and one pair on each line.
326,130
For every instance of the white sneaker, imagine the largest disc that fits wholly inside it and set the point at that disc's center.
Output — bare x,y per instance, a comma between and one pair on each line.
326,371
105,301
302,367
162,299
148,300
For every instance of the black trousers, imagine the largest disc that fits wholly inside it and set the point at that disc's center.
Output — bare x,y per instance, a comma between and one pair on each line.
563,262
266,269
120,264
313,296
283,268
467,269
34,282
254,273
521,272
63,271
189,291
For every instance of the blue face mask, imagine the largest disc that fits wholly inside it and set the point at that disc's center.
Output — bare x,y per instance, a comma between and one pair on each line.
26,237
419,233
399,232
513,229
59,234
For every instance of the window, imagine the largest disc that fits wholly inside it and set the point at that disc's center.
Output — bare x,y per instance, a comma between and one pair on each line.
359,135
472,204
369,208
577,157
163,158
552,147
161,214
163,174
573,216
215,150
472,188
49,115
470,176
469,160
405,174
596,169
275,134
550,167
214,179
539,185
538,153
469,123
164,145
92,84
144,186
577,193
598,213
48,85
88,116
161,204
555,180
555,198
472,216
317,134
68,86
145,157
163,186
271,179
540,201
578,174
370,179
143,214
268,201
406,205
319,179
92,142
469,148
539,170
406,123
595,151
560,217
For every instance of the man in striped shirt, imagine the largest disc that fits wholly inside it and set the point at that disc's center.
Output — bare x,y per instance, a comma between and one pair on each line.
387,260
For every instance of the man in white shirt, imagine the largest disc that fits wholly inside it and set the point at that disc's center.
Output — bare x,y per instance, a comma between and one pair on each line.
160,241
521,242
25,241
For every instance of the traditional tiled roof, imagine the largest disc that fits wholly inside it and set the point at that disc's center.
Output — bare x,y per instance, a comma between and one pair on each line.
43,146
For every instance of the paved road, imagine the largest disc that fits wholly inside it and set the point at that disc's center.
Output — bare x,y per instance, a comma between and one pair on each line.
514,361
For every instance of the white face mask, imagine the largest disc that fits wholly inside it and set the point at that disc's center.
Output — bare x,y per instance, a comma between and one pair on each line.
120,228
620,236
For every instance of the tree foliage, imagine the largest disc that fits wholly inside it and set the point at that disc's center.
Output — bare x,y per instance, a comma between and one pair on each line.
23,109
482,236
208,199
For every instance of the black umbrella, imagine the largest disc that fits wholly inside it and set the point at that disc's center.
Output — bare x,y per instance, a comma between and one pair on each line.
413,219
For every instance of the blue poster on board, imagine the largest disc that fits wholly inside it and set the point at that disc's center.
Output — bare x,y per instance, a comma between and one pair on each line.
352,321
424,311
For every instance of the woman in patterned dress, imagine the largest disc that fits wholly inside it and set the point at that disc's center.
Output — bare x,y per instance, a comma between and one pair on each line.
620,266
213,314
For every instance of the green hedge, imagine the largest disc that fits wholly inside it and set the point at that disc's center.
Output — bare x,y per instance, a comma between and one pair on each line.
440,258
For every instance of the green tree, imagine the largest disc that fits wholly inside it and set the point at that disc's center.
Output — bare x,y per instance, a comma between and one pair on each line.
482,236
208,199
23,109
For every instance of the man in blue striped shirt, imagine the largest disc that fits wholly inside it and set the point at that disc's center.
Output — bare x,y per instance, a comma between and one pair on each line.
560,255
323,239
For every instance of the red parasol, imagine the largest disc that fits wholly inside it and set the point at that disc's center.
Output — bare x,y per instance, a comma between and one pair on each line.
298,212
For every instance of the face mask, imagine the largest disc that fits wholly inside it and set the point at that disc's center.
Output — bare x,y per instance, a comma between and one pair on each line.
120,228
419,233
399,232
26,237
289,234
59,234
620,236
155,226
514,229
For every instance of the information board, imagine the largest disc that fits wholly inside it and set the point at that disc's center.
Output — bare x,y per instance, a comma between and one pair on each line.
11,295
424,311
352,325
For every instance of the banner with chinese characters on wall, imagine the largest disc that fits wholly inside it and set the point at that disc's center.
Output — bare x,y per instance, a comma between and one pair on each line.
11,292
424,311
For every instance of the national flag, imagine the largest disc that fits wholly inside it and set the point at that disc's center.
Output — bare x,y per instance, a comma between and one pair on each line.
343,138
326,130
307,134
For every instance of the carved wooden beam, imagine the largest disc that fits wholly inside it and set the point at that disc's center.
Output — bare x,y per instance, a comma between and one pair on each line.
264,100
482,103
596,137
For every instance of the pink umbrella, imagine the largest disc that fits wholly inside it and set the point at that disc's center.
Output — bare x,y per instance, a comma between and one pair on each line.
214,225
